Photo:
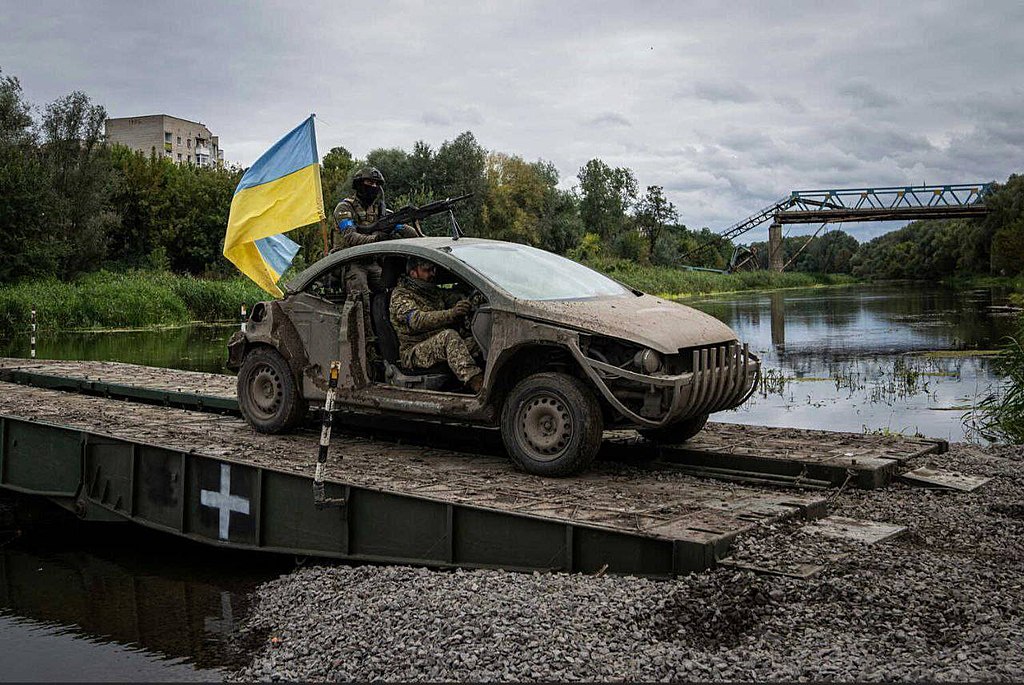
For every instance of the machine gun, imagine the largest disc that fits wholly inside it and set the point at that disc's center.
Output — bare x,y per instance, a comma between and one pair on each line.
410,214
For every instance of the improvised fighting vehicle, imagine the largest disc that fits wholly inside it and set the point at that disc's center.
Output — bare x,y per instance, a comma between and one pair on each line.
567,352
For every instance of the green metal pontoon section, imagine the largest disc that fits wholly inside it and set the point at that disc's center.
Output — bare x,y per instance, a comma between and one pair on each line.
222,502
205,475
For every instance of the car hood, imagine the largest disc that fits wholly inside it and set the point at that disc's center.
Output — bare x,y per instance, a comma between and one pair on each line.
648,320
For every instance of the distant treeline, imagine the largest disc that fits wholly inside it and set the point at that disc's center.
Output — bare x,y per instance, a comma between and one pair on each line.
71,204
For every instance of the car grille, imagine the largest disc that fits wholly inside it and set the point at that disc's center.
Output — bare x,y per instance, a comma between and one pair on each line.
720,377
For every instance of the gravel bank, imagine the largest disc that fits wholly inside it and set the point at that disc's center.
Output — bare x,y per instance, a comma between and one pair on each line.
942,602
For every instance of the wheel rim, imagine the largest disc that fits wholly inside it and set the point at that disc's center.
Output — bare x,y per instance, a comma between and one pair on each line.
545,426
266,389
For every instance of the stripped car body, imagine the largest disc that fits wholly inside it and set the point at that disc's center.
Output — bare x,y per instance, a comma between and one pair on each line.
649,363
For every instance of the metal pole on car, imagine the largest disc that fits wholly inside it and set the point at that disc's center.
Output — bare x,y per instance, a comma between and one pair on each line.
244,317
319,498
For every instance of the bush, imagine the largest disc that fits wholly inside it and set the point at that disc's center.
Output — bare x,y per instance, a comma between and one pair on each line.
132,299
671,282
1000,416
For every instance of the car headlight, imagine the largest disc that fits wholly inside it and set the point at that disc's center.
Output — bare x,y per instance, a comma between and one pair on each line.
647,361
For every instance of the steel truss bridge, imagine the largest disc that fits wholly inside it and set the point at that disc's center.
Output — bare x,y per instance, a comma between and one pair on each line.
912,203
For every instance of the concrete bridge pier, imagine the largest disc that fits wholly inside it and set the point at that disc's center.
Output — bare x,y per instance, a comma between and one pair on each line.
775,247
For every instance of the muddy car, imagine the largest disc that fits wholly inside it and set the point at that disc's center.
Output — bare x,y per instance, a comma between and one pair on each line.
567,352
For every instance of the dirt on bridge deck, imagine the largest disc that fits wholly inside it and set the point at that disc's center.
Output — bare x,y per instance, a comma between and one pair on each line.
875,458
612,495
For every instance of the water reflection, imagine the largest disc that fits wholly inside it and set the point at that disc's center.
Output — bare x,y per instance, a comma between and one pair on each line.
119,604
856,358
192,348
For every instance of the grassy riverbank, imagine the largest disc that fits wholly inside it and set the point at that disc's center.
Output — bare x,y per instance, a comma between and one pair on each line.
139,299
132,299
669,282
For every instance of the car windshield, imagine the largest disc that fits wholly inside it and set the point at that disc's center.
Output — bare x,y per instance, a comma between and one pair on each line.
531,274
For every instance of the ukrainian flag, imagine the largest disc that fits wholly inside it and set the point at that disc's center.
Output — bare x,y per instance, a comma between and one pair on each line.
278,193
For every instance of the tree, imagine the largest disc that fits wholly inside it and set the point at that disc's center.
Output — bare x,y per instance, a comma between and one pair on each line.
460,166
79,172
336,170
394,164
25,196
653,213
606,195
514,200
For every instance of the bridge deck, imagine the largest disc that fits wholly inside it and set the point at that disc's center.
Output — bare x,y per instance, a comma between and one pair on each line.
206,475
743,453
159,466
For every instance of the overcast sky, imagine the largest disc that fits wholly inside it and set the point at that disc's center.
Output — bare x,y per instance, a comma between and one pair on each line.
729,105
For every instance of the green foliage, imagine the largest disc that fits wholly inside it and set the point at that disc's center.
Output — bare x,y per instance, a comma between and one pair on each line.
77,167
590,249
940,249
653,215
671,282
1000,416
129,299
1008,249
920,250
606,194
24,191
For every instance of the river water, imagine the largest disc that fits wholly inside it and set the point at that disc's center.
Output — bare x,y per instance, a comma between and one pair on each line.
903,359
130,605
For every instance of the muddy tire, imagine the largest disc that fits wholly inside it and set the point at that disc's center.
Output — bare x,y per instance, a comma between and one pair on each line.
267,394
551,424
678,432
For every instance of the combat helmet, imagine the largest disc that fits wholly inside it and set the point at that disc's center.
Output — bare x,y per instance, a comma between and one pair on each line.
367,173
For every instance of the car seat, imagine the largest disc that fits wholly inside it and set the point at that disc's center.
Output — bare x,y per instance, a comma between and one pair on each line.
434,378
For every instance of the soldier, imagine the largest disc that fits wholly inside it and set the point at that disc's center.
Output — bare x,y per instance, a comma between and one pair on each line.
424,318
360,211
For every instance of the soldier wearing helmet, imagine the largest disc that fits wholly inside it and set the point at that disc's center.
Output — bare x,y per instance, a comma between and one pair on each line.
354,215
361,209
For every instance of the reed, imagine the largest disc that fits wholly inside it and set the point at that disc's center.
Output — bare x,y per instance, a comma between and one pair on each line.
1000,416
131,299
672,282
141,299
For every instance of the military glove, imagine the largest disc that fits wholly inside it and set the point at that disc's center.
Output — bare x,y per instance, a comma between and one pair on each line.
462,308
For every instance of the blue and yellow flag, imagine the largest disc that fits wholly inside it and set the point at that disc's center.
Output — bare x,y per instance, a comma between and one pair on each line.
278,193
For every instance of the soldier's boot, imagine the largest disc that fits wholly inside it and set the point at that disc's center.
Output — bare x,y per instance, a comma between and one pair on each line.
476,383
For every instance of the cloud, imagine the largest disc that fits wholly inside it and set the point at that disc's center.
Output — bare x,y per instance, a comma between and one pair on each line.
606,119
457,116
866,95
724,92
704,100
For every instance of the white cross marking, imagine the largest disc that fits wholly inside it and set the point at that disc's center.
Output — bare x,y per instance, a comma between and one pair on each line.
224,501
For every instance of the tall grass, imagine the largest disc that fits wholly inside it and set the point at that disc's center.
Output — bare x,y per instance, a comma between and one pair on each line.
1000,416
138,299
661,280
132,299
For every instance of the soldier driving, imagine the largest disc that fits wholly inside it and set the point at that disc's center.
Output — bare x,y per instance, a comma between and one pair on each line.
425,317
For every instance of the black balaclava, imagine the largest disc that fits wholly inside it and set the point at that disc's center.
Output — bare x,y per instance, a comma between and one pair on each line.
367,194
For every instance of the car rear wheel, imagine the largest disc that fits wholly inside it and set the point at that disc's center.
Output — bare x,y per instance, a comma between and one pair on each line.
678,432
551,424
267,393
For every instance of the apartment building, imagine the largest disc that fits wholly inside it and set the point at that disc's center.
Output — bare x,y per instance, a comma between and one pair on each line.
180,140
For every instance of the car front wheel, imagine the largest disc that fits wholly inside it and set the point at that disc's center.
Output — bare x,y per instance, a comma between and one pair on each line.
551,424
267,394
678,432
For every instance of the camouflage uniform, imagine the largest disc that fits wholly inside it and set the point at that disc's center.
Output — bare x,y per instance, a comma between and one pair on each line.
349,217
422,317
